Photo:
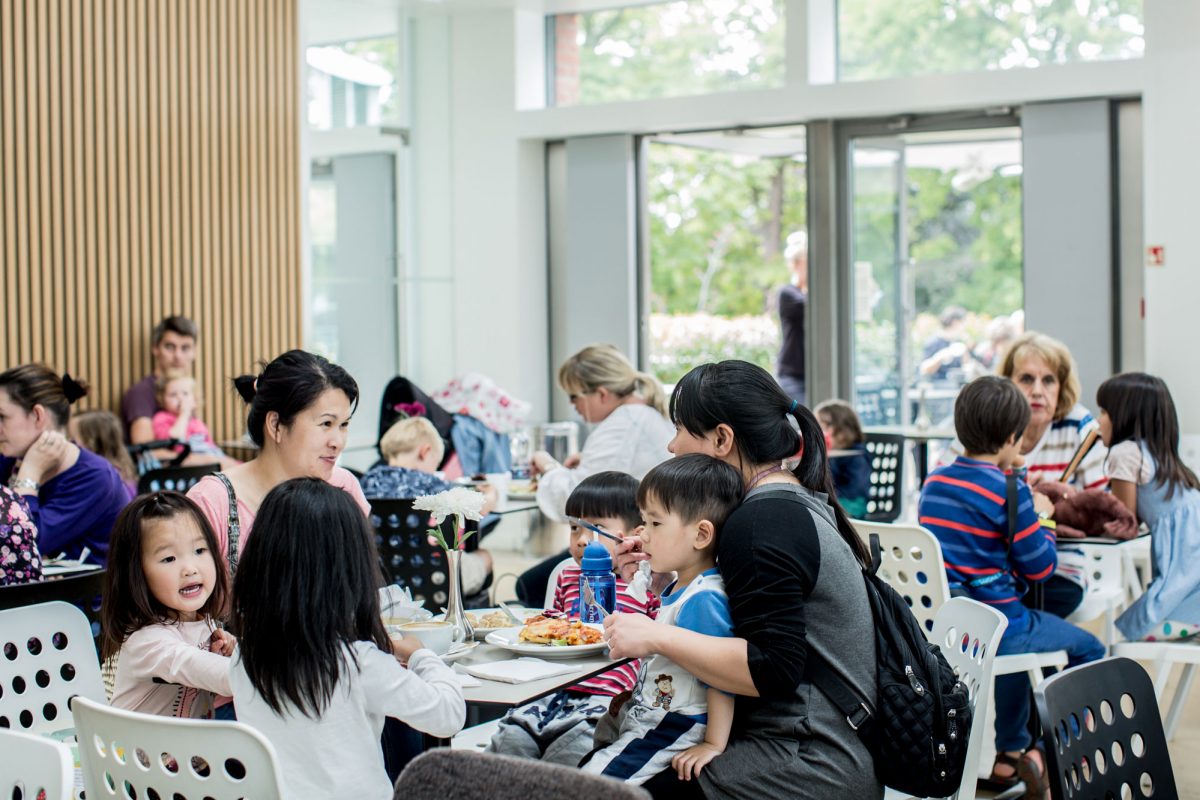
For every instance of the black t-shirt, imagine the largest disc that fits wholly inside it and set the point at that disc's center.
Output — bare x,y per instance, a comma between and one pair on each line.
792,302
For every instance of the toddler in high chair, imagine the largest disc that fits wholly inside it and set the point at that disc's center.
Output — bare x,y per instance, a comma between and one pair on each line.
162,592
673,720
412,450
316,672
178,397
558,728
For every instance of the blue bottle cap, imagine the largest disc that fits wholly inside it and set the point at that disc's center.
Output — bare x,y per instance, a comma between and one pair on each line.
596,558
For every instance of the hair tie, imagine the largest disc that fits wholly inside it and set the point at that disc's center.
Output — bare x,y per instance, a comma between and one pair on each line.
247,387
792,410
72,389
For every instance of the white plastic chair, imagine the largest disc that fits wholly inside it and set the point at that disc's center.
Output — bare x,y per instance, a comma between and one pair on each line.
911,563
1107,587
553,582
968,632
907,552
1166,655
31,766
138,755
46,657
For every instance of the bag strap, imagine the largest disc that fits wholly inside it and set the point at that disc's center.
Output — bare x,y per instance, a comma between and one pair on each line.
844,695
1010,506
233,528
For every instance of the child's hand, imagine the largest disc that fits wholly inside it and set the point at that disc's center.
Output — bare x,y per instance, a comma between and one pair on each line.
1042,504
689,763
404,646
572,461
632,635
222,642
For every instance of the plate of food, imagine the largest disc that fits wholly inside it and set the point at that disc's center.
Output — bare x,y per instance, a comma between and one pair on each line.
486,620
522,490
547,637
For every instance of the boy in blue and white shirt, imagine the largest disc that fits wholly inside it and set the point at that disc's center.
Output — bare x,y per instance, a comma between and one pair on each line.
673,720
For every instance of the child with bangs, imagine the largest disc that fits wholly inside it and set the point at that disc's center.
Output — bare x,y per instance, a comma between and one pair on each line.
673,720
162,593
559,728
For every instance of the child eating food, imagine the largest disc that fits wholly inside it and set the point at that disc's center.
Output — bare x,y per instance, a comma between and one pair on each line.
673,719
558,728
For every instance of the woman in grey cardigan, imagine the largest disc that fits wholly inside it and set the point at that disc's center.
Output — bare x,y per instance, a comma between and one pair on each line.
792,565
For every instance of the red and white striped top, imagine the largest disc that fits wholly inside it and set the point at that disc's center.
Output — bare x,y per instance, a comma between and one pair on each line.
566,599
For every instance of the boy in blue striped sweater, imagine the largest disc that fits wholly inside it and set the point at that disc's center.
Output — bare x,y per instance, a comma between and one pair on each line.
964,505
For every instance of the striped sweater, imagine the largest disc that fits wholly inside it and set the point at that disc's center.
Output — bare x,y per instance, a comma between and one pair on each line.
566,599
963,504
1050,456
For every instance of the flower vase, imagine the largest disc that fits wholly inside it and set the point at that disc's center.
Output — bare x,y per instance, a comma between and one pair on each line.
455,613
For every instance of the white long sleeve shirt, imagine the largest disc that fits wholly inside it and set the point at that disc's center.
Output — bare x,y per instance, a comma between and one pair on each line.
632,439
338,754
169,670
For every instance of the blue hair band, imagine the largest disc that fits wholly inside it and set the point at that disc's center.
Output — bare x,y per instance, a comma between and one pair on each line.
792,410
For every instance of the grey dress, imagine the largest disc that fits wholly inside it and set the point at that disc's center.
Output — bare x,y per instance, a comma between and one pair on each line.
794,585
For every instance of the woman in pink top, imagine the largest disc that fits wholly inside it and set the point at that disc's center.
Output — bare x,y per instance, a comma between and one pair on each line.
300,409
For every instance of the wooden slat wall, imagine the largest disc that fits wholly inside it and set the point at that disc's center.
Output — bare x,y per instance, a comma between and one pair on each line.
148,166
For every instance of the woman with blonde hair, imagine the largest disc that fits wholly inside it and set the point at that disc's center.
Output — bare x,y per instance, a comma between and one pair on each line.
629,411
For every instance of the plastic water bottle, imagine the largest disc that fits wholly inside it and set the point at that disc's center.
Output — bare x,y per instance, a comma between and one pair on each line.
597,573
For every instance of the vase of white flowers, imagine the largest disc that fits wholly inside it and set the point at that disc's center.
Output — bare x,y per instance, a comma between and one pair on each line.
462,504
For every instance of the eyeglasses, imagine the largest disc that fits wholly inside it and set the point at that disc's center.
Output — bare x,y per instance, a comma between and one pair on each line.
574,397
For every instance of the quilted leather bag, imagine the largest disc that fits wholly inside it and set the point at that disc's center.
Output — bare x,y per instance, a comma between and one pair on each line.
918,724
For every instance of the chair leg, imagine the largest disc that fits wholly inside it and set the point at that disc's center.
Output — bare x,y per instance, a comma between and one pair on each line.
1177,703
1110,626
1160,680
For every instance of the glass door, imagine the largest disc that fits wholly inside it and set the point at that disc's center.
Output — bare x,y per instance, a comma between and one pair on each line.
935,264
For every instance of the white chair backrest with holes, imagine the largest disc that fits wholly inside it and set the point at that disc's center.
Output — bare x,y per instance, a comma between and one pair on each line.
35,766
968,633
139,755
912,565
47,656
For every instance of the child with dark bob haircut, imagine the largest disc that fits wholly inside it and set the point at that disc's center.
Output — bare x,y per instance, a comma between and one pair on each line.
673,720
316,672
966,504
162,594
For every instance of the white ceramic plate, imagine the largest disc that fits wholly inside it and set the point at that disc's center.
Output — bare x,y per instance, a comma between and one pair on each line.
507,638
519,494
458,651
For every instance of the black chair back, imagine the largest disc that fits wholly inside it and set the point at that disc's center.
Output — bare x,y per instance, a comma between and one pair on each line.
886,451
145,460
408,559
1104,737
83,591
401,390
178,479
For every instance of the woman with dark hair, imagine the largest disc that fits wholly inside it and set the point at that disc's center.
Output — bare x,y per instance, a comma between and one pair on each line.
300,409
316,672
73,495
792,566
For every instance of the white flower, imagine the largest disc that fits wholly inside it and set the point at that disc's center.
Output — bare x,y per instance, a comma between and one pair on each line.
459,501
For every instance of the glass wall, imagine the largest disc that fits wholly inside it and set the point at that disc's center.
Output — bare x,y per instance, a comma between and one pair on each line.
353,84
936,267
885,39
721,208
665,50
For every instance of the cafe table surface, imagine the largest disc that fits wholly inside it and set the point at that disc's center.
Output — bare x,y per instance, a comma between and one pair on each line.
498,693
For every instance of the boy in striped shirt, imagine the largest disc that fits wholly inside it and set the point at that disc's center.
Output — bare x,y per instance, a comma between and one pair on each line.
964,504
559,727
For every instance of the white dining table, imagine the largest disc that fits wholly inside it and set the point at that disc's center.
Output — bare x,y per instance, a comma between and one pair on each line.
498,693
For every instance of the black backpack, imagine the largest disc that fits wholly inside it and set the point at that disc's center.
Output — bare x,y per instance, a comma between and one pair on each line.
918,724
